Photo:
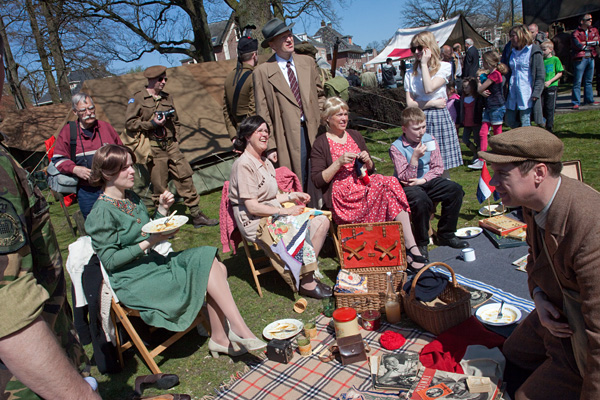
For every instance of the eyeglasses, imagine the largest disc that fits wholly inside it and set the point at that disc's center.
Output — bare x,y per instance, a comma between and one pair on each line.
415,48
586,19
82,110
162,79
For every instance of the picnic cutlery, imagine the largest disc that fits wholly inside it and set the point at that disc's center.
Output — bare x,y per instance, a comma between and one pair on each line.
170,216
500,310
344,240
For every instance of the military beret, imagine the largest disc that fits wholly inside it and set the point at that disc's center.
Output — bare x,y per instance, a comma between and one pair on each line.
247,45
521,144
155,71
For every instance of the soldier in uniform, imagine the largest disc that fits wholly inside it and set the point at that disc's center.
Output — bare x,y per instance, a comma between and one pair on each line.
151,116
238,101
37,326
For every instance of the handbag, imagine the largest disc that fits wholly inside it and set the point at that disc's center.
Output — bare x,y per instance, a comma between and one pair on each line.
572,310
58,181
352,349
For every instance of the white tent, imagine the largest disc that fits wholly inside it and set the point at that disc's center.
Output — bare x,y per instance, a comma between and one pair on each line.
454,30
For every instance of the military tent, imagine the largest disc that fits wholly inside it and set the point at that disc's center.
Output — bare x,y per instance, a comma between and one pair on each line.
197,90
451,31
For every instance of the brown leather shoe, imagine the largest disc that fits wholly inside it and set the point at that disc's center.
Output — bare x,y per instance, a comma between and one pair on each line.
320,291
161,381
202,220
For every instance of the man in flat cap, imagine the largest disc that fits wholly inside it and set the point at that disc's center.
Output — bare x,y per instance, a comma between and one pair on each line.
555,352
238,101
152,127
289,96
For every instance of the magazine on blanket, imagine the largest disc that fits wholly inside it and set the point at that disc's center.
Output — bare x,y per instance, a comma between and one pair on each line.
435,384
396,371
478,297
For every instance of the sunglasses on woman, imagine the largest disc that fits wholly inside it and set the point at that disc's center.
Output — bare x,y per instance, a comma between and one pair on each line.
415,48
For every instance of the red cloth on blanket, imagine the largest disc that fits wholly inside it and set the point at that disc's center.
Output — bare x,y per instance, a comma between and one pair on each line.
447,350
287,181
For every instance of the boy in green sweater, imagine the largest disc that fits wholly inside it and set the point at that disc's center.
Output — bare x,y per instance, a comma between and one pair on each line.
554,70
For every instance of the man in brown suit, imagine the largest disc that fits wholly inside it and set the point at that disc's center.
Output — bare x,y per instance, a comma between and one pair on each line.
563,234
289,96
238,101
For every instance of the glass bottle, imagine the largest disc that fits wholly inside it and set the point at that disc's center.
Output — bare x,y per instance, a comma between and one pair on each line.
392,306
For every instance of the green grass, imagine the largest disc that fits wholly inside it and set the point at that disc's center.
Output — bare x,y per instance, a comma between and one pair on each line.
200,374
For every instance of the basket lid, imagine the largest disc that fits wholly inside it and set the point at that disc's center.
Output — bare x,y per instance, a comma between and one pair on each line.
344,314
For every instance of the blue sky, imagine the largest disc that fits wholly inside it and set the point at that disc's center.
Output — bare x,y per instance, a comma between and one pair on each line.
365,20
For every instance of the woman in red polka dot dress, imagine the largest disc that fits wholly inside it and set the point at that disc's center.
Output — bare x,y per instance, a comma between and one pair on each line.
353,200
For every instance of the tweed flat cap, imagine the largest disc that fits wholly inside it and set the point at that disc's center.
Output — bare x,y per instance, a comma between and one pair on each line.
525,143
155,71
273,28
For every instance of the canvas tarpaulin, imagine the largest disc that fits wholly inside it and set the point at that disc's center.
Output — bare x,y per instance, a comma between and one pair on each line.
454,30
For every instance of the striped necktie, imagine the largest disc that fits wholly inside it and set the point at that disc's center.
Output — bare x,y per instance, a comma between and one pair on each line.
294,85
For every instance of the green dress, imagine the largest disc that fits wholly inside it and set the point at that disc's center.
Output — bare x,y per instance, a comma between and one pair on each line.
168,291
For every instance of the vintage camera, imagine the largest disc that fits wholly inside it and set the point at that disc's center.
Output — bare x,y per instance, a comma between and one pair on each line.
280,351
165,114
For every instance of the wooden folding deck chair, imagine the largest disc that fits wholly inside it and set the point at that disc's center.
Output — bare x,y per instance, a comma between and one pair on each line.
120,314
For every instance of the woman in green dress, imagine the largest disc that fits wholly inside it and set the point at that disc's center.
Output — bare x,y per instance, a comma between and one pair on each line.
169,291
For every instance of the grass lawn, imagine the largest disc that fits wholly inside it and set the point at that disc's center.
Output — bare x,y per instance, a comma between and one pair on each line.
200,374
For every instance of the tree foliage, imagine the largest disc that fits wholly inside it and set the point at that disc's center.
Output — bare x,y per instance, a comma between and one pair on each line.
427,12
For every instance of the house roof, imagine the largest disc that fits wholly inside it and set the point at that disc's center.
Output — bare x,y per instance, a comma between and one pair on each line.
28,129
218,31
329,35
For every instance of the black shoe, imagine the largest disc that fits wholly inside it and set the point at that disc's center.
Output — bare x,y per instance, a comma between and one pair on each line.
424,251
202,220
320,291
423,259
453,242
161,381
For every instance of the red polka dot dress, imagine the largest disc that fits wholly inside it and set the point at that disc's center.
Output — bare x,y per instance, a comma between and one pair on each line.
380,200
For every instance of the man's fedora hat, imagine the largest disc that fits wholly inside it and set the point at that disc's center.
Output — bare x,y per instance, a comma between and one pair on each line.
273,28
154,71
521,144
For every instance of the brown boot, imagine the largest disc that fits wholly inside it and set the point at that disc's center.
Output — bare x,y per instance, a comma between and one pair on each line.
200,220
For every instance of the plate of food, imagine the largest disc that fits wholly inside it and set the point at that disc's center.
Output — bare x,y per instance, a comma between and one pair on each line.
488,314
492,210
158,225
468,232
282,329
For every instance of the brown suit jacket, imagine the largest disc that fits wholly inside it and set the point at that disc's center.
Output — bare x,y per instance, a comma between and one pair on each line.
572,235
276,103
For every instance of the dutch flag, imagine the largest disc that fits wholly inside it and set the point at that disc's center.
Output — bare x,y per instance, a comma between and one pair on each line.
484,189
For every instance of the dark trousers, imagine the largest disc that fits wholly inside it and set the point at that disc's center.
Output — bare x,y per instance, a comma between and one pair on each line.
304,154
421,199
87,196
549,105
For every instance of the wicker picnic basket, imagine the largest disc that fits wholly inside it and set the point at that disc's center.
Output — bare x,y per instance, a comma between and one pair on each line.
436,319
376,286
371,250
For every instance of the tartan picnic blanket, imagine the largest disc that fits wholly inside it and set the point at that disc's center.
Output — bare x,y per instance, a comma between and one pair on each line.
310,378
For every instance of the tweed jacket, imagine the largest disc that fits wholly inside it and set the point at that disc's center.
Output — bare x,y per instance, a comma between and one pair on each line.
275,102
572,235
321,159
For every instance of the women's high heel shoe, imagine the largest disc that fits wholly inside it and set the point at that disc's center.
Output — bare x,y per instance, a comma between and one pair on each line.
216,348
250,344
416,258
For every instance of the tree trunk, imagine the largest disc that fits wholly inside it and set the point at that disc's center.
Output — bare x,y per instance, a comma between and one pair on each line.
39,42
12,75
52,12
201,41
251,12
